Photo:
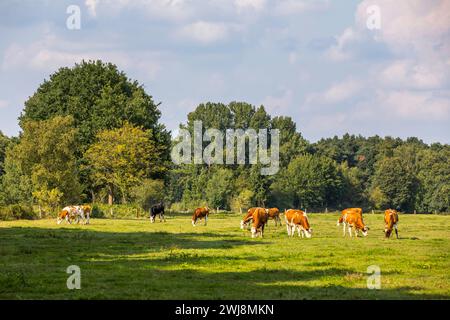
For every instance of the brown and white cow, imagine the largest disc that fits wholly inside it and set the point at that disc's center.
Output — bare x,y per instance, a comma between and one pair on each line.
248,218
68,213
259,217
390,220
199,214
354,220
348,210
297,219
75,213
274,214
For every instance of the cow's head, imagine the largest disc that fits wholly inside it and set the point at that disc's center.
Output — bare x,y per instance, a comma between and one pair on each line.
387,232
365,231
308,233
243,224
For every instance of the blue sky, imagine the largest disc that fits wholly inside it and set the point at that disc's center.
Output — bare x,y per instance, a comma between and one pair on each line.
315,61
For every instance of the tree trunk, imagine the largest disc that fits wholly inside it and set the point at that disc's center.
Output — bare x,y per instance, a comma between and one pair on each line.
110,195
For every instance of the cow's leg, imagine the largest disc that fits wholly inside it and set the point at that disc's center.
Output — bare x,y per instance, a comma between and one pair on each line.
206,219
396,230
344,228
288,230
253,232
88,216
194,221
350,230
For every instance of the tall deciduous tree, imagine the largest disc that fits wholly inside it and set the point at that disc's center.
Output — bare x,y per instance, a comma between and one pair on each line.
43,160
121,158
396,180
313,181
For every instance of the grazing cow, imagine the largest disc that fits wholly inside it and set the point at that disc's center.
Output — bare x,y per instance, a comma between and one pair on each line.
297,219
274,214
345,211
259,217
83,212
157,209
68,213
247,218
199,214
353,219
64,214
390,220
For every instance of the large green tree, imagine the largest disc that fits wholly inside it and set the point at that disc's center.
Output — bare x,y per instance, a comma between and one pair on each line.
397,182
99,97
312,181
43,161
121,158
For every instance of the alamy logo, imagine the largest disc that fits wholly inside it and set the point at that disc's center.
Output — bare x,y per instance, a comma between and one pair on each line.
374,278
213,153
73,21
74,280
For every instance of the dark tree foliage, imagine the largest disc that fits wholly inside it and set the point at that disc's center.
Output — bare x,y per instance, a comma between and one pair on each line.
99,97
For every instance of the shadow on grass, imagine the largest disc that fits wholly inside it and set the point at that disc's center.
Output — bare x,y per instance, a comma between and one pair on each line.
112,271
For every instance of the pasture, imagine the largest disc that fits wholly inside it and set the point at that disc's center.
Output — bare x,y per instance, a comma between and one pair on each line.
133,259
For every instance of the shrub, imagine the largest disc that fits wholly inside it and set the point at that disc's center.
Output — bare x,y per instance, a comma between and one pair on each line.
17,211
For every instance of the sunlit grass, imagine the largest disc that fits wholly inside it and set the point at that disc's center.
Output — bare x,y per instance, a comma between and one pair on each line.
133,259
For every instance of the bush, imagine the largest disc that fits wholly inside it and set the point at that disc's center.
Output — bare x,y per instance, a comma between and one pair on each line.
120,211
97,212
17,211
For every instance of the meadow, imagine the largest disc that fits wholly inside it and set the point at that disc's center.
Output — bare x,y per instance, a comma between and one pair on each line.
134,259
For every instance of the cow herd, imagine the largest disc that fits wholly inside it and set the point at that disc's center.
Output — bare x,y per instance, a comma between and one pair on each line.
75,213
257,218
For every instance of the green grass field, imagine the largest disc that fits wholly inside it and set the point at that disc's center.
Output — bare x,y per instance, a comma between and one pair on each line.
133,259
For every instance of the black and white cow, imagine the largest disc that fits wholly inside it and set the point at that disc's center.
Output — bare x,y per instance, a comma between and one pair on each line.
157,209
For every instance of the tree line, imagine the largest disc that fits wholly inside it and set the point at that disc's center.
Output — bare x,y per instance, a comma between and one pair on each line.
90,134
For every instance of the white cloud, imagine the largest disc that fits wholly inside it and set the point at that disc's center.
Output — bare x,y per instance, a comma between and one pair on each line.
339,51
336,93
411,83
162,9
421,26
204,32
292,7
255,5
412,105
412,74
47,54
279,104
